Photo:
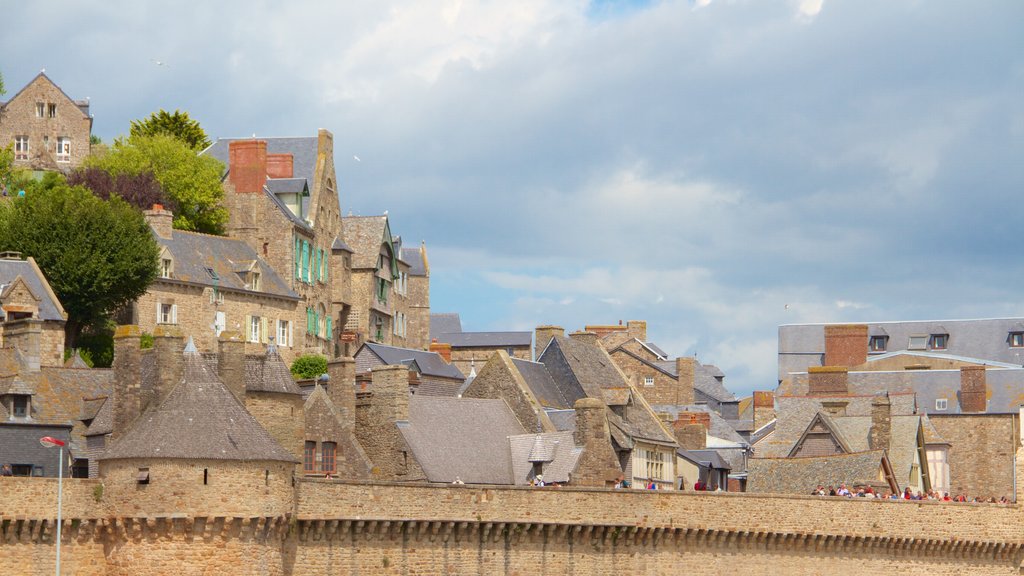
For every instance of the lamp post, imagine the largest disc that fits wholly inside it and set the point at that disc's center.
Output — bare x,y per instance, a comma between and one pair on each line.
50,442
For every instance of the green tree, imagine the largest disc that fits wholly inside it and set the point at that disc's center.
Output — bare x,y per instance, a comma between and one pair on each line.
309,366
2,90
178,125
97,254
192,182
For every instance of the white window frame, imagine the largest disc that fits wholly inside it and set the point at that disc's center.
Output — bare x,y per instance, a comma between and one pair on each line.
166,268
220,322
284,333
941,404
40,109
22,147
253,330
648,380
63,149
166,313
918,342
254,283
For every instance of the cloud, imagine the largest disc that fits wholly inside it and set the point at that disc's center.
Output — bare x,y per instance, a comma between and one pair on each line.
808,10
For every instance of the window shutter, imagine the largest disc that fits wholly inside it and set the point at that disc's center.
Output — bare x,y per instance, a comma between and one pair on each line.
157,311
327,266
247,327
264,337
290,339
330,329
174,313
305,261
297,258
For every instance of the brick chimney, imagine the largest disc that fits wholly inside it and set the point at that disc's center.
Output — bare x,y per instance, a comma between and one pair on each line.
846,344
881,423
827,381
442,348
543,335
280,166
168,345
25,334
973,389
127,394
247,165
589,338
637,329
598,465
231,363
160,220
341,389
764,408
686,371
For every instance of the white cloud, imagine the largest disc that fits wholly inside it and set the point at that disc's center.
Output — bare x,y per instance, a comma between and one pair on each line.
808,10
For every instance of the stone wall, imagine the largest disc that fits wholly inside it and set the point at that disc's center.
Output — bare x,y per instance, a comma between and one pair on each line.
981,452
282,415
20,118
466,358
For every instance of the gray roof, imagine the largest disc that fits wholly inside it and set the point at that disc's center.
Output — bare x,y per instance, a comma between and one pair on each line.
720,427
365,235
339,244
445,323
705,458
199,419
303,150
429,363
902,445
803,475
49,306
195,255
543,387
559,447
706,379
287,185
269,373
485,339
414,258
564,420
591,366
461,437
656,349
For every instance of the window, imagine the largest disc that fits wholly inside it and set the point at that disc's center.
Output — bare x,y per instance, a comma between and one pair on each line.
648,380
166,268
216,296
654,463
254,282
309,458
1017,339
21,469
220,322
21,148
254,329
305,261
166,313
878,343
941,403
143,476
40,109
51,110
918,343
20,407
939,341
206,476
327,458
284,333
63,149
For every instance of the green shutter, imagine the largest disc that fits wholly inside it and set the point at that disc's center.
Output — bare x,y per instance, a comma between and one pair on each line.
298,257
305,261
327,268
330,330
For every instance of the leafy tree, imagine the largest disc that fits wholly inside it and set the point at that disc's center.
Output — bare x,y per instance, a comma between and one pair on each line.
95,140
191,182
309,366
97,254
140,190
178,125
2,91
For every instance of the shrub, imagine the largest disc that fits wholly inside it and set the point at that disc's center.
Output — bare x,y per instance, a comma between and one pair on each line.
309,366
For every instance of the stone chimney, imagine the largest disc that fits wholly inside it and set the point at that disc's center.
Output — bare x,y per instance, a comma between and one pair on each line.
127,396
589,338
686,371
827,381
390,387
691,436
25,334
881,423
637,329
542,336
247,165
280,166
598,464
160,220
973,389
442,348
846,344
341,389
764,408
231,363
168,345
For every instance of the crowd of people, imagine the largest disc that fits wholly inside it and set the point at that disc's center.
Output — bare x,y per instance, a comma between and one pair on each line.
907,494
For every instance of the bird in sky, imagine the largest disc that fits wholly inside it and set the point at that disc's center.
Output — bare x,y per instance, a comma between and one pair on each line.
356,158
158,62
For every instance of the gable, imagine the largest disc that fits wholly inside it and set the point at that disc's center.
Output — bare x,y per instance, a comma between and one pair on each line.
42,84
820,438
18,297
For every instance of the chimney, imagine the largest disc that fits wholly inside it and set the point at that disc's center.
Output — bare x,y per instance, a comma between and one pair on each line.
127,378
881,422
827,381
160,220
589,338
247,165
25,334
973,389
637,329
686,370
231,363
341,389
690,435
598,464
542,336
280,166
764,408
168,346
442,348
846,344
390,387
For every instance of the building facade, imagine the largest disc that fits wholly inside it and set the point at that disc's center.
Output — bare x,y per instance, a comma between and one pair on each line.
48,129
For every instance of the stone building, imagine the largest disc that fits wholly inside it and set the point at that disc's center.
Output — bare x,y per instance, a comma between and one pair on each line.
48,130
25,294
430,374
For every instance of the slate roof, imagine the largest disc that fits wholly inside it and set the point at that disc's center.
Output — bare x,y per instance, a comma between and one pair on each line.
287,185
59,392
720,427
49,306
445,323
461,437
103,421
559,446
199,419
549,394
564,420
303,150
269,373
705,379
414,258
803,475
657,350
365,235
705,458
429,363
484,339
593,369
339,244
194,253
902,445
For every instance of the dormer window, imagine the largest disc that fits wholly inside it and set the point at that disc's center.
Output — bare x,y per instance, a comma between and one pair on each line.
254,281
918,343
1016,339
939,341
878,343
941,404
19,405
166,268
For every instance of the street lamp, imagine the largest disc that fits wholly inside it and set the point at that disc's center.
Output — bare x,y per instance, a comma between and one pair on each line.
50,442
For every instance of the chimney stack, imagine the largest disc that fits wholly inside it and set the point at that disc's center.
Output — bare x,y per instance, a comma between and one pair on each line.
973,389
341,389
637,329
846,344
598,465
25,334
231,363
442,348
390,387
686,374
169,347
543,335
160,220
247,165
827,381
690,435
881,422
280,166
764,408
589,338
127,396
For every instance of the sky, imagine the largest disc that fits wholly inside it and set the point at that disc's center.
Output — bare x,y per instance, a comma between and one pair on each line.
715,167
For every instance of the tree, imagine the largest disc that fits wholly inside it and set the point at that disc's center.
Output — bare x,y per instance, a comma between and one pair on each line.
178,125
191,182
140,190
98,255
309,366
